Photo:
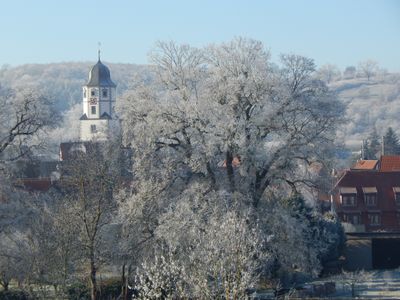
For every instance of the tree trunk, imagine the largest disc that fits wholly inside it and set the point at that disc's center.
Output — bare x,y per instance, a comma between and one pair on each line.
93,276
124,282
5,285
229,170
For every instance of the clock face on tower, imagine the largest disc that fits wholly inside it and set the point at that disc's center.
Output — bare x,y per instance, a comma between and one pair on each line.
93,101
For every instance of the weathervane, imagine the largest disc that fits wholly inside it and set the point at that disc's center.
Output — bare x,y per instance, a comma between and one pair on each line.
98,49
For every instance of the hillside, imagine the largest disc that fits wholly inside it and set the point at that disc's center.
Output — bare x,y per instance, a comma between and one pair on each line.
63,81
374,103
369,103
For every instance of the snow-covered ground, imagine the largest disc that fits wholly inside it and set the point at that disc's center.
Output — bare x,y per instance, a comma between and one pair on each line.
383,284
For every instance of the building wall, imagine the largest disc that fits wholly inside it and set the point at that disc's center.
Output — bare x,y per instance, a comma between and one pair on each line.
103,104
101,133
386,206
358,254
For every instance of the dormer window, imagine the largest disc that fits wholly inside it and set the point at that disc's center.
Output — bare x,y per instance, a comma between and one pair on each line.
93,110
93,92
396,191
374,219
348,196
105,93
370,196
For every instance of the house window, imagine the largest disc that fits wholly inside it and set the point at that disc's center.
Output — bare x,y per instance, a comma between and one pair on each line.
93,92
374,219
348,196
370,195
93,110
93,128
352,219
349,199
105,93
370,199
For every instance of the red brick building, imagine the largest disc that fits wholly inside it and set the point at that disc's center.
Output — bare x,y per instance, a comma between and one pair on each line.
369,200
367,197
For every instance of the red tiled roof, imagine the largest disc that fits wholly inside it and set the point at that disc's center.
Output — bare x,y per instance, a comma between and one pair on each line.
390,163
35,184
369,179
365,165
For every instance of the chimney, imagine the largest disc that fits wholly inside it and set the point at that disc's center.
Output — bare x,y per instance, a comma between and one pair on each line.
383,145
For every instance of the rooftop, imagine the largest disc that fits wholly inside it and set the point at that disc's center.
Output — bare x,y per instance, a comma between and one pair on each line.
365,165
99,75
390,163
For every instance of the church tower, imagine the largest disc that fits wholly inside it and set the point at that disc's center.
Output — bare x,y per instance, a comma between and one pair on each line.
99,96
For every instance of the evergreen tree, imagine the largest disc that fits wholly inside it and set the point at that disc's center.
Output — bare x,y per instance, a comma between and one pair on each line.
366,152
392,144
372,146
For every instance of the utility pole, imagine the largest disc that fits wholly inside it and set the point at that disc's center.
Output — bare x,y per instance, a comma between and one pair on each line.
362,150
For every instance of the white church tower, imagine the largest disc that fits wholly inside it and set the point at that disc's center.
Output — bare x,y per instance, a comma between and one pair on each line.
99,96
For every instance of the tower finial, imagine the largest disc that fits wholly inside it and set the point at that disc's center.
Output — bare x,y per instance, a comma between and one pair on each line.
98,49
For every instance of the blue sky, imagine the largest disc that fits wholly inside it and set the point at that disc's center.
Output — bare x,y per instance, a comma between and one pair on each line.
341,32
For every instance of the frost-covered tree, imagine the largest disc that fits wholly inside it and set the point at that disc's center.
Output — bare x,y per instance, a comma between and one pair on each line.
88,182
219,252
323,234
15,259
29,243
25,114
273,121
223,121
350,72
368,68
328,73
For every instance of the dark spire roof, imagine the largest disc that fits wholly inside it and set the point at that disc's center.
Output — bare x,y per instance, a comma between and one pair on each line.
99,75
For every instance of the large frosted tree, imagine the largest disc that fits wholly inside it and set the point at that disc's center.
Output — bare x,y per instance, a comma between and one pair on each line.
225,103
223,126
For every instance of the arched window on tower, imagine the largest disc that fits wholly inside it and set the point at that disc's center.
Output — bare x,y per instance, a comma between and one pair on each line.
105,93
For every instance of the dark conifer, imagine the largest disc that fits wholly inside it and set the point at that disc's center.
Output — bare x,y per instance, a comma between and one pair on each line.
392,144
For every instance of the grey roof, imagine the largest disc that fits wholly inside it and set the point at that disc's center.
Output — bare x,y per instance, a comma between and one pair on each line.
99,75
105,116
